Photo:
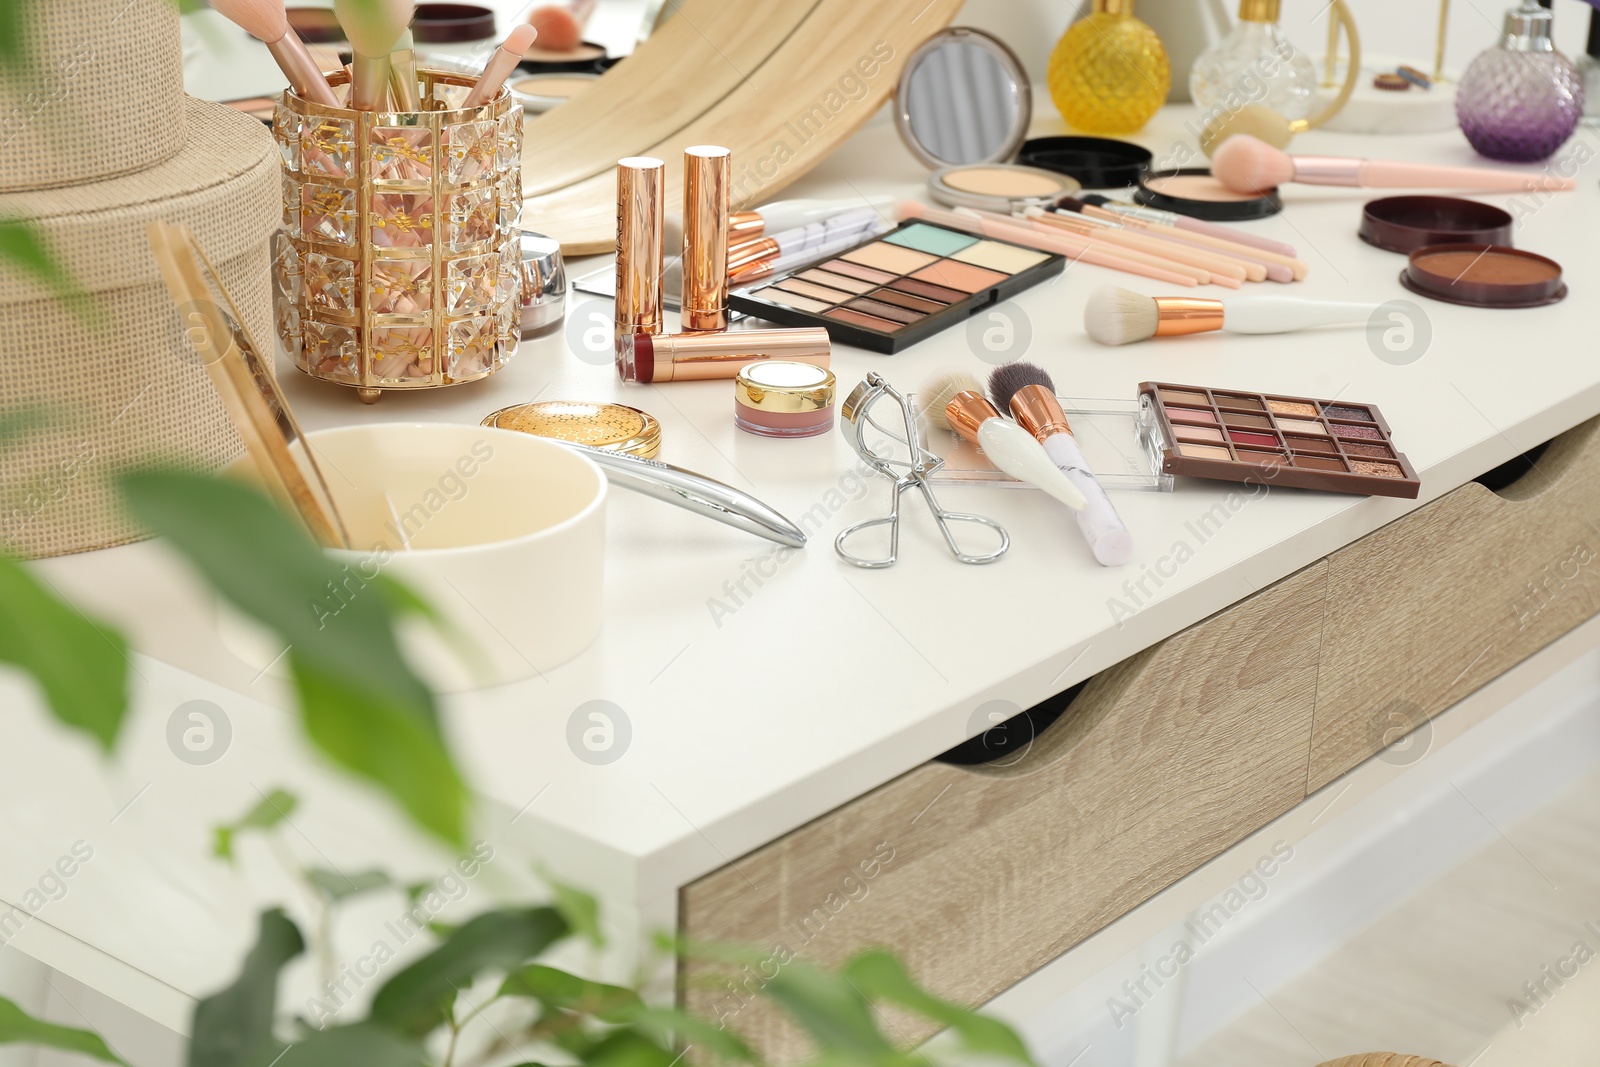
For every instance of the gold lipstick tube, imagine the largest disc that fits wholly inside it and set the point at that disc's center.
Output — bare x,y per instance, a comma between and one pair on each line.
683,357
1177,315
641,230
704,304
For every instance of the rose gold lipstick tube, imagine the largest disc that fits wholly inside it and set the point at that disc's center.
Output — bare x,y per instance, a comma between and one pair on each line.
704,305
641,228
683,357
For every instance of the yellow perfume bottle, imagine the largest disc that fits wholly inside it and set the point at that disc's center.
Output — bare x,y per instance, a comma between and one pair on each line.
1109,73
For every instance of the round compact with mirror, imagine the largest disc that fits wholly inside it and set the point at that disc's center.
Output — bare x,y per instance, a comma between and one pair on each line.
962,107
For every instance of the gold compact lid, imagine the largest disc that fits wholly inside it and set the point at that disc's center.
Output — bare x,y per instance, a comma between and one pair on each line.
779,385
613,427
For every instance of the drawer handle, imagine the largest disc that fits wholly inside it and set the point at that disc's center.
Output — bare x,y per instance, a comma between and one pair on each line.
1012,739
1564,459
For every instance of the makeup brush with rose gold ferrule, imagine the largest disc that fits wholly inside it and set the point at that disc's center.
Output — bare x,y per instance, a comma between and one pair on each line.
373,28
266,21
1116,316
1247,165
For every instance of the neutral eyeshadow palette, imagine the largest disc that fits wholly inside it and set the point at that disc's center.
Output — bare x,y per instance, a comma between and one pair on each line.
900,287
1237,436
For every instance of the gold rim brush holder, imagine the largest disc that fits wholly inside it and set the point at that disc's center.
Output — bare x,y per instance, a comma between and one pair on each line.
398,266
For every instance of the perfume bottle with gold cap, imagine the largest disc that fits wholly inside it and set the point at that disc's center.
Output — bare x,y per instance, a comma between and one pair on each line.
1109,73
1255,64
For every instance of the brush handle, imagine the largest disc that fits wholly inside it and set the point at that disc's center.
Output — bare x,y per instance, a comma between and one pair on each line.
369,81
1390,174
1284,314
301,70
1273,266
1102,527
1222,233
1164,254
1016,451
1062,244
495,73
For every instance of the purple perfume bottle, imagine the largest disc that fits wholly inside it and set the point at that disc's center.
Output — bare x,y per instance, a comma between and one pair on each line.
1520,100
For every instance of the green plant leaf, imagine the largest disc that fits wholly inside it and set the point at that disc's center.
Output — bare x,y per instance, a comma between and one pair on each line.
268,812
880,975
413,1001
580,909
625,1048
339,886
360,702
17,1027
559,990
373,736
81,665
830,1009
667,1025
361,1045
233,1028
19,241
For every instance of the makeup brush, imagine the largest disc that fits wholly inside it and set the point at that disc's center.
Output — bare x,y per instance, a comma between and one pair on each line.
1215,268
1116,316
372,27
1273,266
500,65
561,26
403,74
1157,217
1028,392
266,22
1247,165
955,402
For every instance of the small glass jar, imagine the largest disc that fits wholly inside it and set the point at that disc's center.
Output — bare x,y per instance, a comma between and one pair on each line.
1255,64
1520,100
776,398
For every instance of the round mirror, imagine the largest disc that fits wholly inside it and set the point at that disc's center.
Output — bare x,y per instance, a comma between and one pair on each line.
963,98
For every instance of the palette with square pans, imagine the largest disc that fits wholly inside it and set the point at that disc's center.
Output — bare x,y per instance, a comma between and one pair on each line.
1238,436
900,287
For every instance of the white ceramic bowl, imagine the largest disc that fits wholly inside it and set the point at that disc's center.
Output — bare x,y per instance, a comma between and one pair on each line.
502,532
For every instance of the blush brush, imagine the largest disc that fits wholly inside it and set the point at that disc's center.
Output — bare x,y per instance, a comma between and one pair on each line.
373,28
1248,165
956,402
1028,392
1115,316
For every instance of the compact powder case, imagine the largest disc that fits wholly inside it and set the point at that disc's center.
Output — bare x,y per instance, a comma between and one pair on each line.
1406,223
451,23
587,58
613,427
1194,192
1093,162
1483,276
1001,187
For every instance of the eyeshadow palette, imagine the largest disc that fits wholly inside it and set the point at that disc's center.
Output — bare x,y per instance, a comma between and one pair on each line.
900,287
1236,436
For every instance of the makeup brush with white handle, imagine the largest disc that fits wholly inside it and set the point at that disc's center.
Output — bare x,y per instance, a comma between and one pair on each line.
1115,316
956,402
1029,393
1246,164
267,22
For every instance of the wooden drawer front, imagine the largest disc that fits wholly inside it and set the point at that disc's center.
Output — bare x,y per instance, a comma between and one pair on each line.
1440,602
978,876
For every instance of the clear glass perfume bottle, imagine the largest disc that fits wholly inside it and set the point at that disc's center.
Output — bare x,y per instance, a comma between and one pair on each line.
1521,99
1109,72
1588,68
1255,64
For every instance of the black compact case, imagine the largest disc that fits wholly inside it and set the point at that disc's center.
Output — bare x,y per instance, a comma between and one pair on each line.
933,295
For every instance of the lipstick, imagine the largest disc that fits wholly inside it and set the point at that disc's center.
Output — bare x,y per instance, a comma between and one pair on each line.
682,357
704,304
640,228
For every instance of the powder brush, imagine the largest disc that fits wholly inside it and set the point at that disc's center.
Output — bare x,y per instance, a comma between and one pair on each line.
1029,393
1248,165
956,402
373,27
1116,316
266,22
500,65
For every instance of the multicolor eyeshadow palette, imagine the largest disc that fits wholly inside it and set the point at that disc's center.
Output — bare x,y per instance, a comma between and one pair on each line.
901,287
1235,436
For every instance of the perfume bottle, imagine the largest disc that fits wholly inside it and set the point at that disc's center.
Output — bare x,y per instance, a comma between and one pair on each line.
1109,72
1255,64
1521,99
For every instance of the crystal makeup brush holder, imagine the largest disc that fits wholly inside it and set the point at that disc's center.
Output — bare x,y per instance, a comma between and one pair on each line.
398,264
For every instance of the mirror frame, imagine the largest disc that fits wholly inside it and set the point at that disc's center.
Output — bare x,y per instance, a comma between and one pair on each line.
1021,96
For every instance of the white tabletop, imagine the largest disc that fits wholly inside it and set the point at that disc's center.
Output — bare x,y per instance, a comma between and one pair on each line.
828,680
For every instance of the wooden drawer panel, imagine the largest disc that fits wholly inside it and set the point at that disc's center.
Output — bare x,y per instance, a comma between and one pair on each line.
978,876
1440,602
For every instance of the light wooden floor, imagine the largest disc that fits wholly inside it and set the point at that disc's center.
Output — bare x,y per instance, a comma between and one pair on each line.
1434,975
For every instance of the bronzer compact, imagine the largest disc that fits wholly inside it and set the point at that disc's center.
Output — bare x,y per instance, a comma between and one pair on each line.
901,287
1265,439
